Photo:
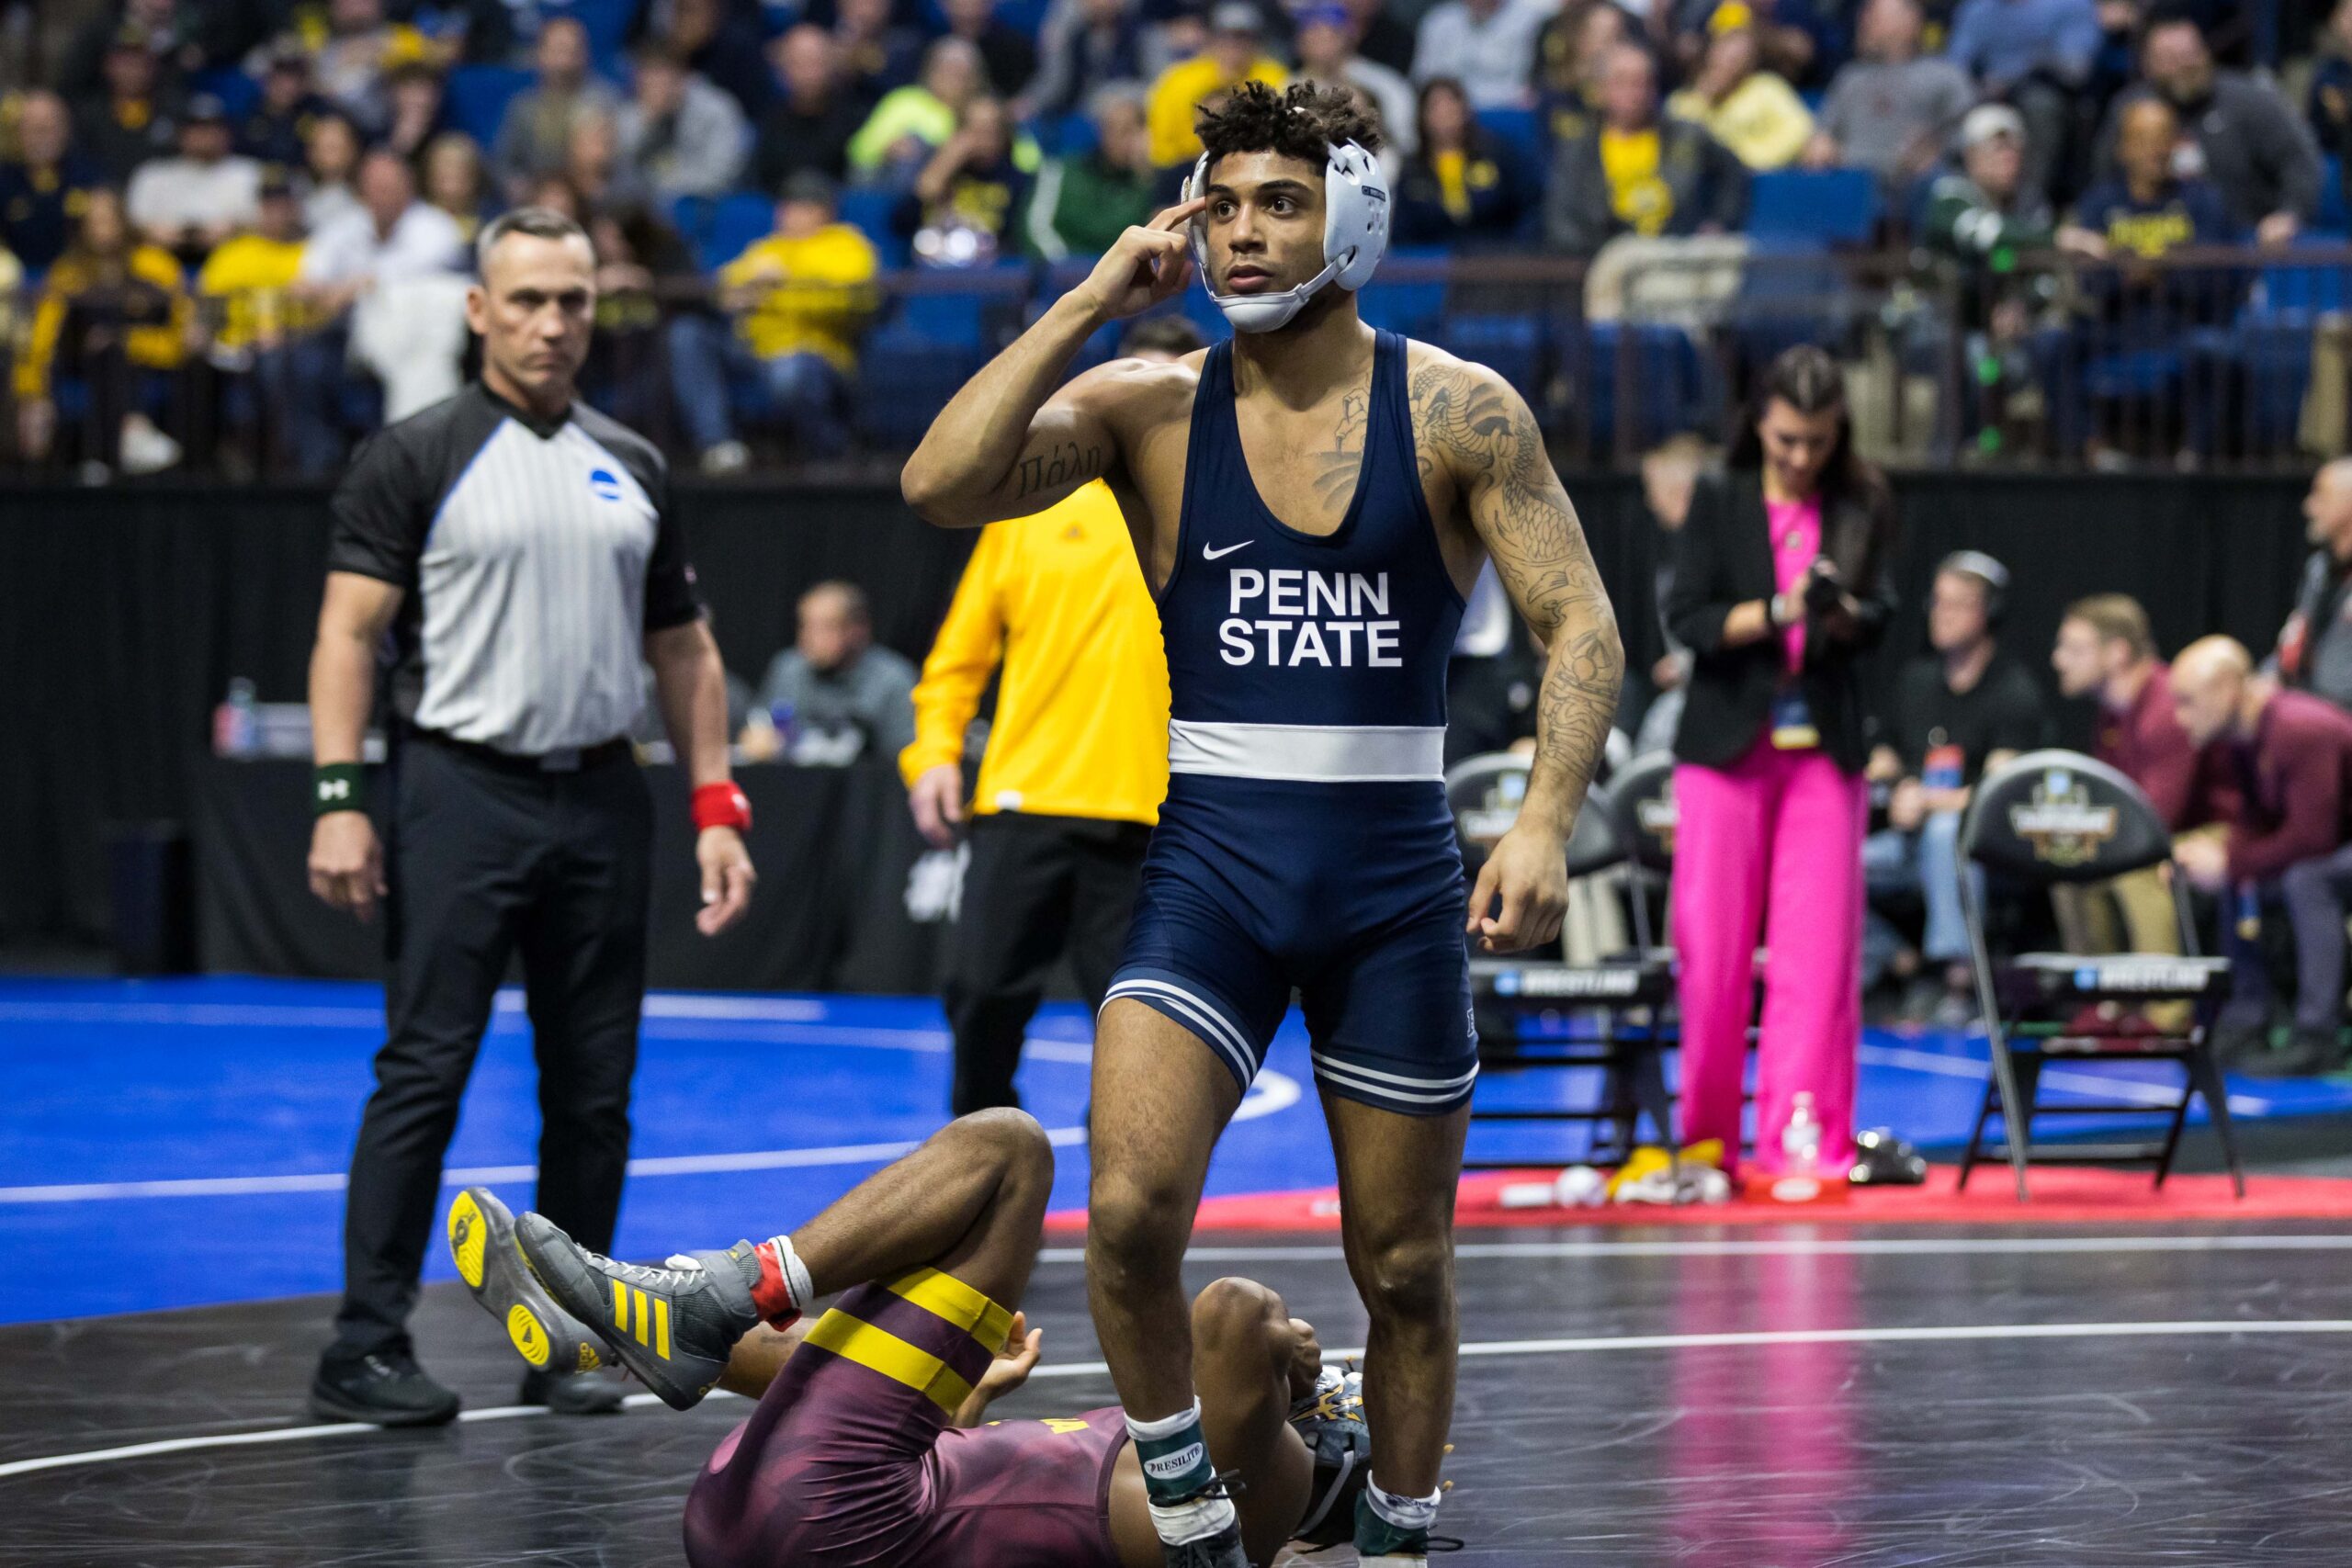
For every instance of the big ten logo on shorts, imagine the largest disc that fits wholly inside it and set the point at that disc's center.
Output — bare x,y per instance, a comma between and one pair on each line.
1292,617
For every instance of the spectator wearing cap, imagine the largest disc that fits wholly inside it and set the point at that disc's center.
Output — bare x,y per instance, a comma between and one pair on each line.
2237,131
1636,172
1325,44
799,298
1235,53
534,136
680,135
1891,110
134,120
970,199
416,109
276,128
1083,45
1747,109
1489,45
877,55
1008,55
1978,218
2037,55
1960,711
1458,189
190,203
331,147
175,32
46,187
247,288
808,123
1082,204
113,313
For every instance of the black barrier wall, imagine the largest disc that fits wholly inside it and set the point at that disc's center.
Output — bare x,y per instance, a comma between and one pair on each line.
125,612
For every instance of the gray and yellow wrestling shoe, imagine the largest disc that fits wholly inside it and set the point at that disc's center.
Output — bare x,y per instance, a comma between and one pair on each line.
673,1327
559,1348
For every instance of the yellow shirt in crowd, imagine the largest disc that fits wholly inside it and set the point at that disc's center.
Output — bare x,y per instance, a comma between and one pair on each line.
1081,712
157,346
823,292
1763,121
249,275
1643,202
1178,92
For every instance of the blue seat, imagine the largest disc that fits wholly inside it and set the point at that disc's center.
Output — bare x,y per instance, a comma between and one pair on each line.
736,222
959,309
606,21
1411,307
2273,342
238,92
1520,134
1834,207
903,381
476,97
1789,292
2333,217
1653,372
873,211
1509,346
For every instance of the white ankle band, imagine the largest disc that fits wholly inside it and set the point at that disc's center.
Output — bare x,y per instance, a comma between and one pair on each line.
1404,1513
1192,1521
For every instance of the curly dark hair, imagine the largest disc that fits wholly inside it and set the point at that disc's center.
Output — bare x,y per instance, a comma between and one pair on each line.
1301,121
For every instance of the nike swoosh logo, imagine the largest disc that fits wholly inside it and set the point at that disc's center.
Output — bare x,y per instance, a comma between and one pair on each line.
1208,554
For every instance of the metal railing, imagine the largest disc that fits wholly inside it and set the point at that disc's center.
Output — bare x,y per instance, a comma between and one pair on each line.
2233,359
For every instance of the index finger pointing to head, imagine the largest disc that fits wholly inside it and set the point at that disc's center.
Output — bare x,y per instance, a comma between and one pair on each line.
1182,212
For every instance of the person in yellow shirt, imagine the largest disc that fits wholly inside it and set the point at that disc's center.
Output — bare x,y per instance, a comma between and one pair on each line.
247,283
1755,113
1234,55
799,298
1076,764
115,314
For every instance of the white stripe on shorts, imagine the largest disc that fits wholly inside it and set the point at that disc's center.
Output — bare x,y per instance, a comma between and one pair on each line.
1389,1085
1212,1024
1325,754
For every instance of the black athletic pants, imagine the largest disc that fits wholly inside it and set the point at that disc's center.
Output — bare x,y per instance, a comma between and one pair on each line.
488,858
1036,887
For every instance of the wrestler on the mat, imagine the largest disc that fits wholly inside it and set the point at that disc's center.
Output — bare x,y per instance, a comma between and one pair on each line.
866,1449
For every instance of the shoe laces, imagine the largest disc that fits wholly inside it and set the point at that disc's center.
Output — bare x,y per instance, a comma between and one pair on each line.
681,1274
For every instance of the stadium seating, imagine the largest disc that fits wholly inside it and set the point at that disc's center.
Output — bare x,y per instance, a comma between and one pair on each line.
477,97
1834,207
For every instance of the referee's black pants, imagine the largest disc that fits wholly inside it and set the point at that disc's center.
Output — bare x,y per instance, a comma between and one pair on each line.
488,859
1035,887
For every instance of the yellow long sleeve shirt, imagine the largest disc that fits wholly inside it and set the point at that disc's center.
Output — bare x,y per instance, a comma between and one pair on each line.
1179,91
1081,712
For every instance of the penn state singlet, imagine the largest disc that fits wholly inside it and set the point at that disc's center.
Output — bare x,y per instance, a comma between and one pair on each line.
1305,843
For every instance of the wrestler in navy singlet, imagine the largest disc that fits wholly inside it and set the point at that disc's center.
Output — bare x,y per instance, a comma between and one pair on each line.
1306,842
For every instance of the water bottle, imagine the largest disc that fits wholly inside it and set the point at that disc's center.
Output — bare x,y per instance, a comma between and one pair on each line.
1800,1153
236,728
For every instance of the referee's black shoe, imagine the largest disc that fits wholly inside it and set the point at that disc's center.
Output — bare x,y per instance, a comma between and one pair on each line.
570,1393
384,1388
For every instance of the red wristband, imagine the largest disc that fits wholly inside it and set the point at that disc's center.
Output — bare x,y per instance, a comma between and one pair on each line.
722,805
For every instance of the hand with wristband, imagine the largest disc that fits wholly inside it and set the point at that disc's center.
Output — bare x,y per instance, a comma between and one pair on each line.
722,816
347,865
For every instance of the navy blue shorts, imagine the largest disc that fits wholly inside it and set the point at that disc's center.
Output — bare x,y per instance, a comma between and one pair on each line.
1353,900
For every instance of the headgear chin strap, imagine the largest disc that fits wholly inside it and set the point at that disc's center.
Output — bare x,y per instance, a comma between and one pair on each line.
1355,236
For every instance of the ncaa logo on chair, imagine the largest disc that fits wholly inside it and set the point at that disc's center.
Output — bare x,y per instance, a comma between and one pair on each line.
603,485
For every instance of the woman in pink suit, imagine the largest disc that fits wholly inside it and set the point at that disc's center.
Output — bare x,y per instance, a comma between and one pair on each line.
1779,585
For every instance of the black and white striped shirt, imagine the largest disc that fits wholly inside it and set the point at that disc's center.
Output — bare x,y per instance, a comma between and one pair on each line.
535,555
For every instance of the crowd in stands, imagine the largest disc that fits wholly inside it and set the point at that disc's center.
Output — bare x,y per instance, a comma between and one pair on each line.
270,201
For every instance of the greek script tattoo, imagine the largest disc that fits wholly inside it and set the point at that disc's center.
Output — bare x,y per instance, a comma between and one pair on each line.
1469,420
1064,463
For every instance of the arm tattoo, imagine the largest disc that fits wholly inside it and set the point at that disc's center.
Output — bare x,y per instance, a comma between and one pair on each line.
1471,421
1065,462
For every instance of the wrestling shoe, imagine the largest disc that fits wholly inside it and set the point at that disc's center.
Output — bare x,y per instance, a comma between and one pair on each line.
1380,1544
570,1393
673,1327
1219,1548
480,1231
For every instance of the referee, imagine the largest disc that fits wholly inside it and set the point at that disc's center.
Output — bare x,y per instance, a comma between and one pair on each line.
1076,765
521,551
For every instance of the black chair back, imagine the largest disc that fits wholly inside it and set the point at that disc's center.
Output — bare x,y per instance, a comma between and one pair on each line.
1641,799
1485,793
2059,816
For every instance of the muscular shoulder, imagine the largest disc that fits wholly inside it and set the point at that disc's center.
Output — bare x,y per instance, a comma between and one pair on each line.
1134,395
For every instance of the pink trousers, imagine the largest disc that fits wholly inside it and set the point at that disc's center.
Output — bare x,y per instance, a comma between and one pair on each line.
1771,847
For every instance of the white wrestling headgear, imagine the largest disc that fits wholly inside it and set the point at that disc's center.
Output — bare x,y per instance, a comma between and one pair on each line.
1355,236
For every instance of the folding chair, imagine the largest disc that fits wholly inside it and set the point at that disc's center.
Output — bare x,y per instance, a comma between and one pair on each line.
2058,816
1631,991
